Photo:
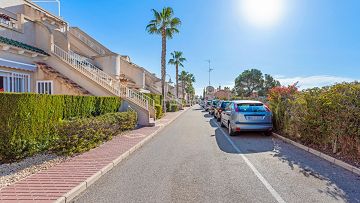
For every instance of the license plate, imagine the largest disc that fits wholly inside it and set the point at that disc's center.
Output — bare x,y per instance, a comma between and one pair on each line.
254,118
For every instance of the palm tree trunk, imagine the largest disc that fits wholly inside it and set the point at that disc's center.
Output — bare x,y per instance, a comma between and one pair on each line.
183,90
163,68
177,81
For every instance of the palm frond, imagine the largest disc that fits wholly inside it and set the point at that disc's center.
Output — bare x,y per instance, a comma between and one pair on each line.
175,22
172,62
168,12
157,15
153,29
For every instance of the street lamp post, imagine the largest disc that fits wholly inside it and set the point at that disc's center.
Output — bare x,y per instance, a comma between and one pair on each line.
210,69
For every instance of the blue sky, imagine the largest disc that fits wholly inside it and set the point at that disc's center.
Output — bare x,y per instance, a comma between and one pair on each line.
314,42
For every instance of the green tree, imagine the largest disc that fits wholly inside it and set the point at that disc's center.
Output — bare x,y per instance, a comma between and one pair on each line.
248,82
189,85
177,60
269,83
183,78
253,80
187,80
166,25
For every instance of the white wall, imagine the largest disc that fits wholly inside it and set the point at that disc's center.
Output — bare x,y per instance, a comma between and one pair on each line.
132,72
15,6
43,38
110,64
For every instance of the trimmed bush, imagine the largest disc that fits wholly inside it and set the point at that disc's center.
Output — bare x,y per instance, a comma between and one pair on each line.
174,108
325,118
80,135
158,104
28,121
159,111
156,97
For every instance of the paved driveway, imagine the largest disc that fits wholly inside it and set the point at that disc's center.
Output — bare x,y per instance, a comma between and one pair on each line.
194,160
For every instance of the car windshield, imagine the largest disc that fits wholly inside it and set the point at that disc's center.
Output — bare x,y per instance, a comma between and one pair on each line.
224,104
215,103
208,102
251,107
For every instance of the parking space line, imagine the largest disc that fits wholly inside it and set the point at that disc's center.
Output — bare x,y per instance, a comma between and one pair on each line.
252,167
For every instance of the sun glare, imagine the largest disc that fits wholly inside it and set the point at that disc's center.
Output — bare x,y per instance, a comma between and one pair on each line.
262,13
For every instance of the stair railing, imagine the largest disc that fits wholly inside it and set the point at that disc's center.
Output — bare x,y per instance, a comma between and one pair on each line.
105,80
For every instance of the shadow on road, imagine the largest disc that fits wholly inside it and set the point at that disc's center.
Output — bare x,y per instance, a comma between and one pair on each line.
341,184
249,142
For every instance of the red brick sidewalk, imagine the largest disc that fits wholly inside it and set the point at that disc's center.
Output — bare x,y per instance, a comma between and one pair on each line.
64,181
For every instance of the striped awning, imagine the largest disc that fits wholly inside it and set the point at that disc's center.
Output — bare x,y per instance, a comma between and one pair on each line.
17,65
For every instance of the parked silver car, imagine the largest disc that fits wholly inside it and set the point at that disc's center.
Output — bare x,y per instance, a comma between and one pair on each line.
213,106
245,115
207,105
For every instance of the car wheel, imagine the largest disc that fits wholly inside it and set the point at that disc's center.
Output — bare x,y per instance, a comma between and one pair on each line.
231,132
222,124
268,133
218,119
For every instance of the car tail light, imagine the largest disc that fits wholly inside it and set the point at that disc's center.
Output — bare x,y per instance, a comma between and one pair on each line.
236,108
267,108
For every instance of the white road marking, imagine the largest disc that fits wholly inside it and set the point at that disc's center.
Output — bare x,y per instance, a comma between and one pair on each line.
252,167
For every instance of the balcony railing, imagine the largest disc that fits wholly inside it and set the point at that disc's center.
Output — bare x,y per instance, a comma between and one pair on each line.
8,23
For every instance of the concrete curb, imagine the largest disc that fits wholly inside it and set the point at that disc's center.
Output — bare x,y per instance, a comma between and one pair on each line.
69,196
321,155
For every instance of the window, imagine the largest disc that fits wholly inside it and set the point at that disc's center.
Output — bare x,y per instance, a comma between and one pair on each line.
14,82
229,107
44,87
252,107
224,104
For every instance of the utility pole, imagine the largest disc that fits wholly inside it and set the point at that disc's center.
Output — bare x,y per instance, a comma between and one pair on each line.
210,69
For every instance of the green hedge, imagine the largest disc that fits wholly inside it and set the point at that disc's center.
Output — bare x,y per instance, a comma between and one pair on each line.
81,135
159,111
158,104
27,121
172,106
326,118
156,97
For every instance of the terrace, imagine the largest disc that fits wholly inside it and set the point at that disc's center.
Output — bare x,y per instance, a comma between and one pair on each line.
8,19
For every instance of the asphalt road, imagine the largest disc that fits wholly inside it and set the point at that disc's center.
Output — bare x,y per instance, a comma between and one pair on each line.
194,160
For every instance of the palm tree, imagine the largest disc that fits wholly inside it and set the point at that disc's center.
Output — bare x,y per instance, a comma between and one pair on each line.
190,79
166,25
187,80
183,79
177,60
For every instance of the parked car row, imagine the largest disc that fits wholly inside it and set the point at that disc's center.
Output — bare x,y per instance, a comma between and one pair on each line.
241,115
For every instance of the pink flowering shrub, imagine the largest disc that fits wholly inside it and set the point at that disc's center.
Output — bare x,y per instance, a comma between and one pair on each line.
326,118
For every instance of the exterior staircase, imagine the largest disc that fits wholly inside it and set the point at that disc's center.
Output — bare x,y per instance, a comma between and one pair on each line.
86,39
137,101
